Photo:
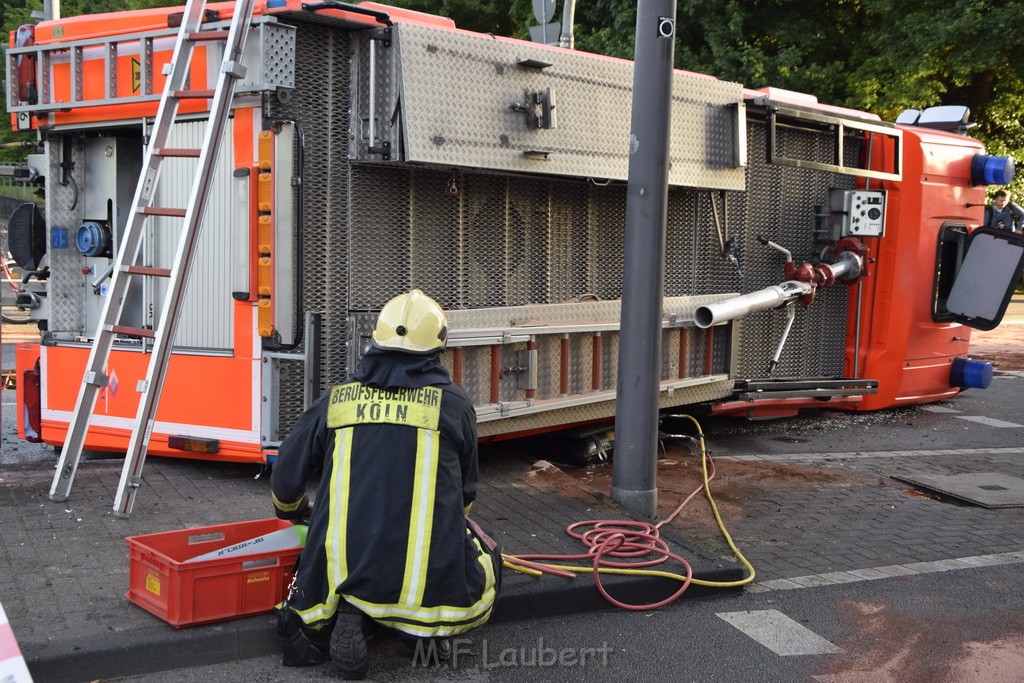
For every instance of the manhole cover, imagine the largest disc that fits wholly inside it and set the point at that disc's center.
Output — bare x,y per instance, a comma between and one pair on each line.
987,489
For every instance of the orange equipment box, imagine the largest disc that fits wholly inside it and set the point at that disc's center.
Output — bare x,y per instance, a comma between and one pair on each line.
163,581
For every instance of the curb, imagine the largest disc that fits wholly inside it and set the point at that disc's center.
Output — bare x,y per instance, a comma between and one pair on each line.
137,653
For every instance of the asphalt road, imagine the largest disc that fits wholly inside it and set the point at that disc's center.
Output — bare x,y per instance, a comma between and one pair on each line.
954,626
961,625
965,624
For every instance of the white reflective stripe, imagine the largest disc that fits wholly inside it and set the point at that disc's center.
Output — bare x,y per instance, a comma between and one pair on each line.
337,526
422,519
168,428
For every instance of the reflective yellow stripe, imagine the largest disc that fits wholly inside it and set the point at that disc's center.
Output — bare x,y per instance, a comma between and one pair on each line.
427,616
353,404
335,542
421,519
431,620
435,631
287,507
485,561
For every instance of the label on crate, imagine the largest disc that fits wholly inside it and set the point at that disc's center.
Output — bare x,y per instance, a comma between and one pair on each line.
282,539
153,583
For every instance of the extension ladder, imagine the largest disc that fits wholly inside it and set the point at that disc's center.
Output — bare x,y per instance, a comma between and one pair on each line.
125,268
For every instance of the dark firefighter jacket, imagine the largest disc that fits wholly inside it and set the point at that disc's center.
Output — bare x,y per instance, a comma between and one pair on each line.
397,450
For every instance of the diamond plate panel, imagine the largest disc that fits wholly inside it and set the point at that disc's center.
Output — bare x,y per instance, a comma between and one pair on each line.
269,57
65,209
472,120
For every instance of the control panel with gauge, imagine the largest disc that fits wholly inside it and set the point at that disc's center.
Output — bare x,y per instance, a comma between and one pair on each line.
857,213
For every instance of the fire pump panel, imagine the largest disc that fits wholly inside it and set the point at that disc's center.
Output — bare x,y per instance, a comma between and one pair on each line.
859,213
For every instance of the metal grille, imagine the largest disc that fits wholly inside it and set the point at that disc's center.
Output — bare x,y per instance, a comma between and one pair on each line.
780,203
320,104
476,240
497,241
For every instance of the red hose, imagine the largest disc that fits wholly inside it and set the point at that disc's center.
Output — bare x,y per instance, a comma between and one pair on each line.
615,538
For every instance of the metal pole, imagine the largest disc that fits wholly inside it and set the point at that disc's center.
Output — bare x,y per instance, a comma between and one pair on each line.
567,39
51,9
636,420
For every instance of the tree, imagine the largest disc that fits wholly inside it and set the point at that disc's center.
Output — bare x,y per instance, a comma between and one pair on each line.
500,17
876,55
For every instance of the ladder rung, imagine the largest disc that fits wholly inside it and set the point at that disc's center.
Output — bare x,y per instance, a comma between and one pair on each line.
147,270
177,152
208,35
163,211
133,331
193,94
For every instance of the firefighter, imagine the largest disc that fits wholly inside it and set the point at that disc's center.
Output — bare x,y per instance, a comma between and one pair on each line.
389,542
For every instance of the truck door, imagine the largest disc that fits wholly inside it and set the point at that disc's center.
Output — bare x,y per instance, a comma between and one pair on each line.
985,280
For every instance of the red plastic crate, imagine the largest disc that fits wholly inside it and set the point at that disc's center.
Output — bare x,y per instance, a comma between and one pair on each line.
182,593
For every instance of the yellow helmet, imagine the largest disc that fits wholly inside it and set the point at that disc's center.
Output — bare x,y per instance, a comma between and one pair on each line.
411,322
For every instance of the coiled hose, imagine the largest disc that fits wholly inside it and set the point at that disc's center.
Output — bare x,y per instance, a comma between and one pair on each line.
634,541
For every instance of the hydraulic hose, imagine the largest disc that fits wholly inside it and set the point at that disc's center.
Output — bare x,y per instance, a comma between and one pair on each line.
613,538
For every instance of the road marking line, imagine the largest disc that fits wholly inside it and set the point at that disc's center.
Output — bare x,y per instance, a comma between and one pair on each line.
940,409
779,633
988,421
887,572
810,457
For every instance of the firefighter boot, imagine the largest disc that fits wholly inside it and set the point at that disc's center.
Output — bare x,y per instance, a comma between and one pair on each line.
348,644
297,648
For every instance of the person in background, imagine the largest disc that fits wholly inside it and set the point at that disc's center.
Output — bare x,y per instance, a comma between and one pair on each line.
390,542
1004,214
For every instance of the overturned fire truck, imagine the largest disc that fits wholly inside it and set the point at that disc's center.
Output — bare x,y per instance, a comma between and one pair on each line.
813,251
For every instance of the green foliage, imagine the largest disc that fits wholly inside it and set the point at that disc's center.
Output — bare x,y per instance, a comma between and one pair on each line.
876,55
500,17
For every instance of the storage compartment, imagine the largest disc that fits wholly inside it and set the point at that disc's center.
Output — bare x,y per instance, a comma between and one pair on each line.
165,581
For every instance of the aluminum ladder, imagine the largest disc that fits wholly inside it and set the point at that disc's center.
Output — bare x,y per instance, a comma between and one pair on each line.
125,269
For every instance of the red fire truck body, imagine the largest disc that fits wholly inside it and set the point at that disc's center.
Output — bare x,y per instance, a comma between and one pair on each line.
375,150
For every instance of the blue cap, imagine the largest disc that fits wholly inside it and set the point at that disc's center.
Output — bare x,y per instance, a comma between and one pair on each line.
968,373
92,239
992,170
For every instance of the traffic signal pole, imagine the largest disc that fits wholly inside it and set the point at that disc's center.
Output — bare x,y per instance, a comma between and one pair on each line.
634,475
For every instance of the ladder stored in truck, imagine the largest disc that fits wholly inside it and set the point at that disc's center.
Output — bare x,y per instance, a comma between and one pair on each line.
176,89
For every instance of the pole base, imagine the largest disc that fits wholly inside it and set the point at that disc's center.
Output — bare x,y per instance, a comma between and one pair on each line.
643,503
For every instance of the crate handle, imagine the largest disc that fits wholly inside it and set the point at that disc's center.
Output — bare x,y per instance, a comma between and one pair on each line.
203,538
256,564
